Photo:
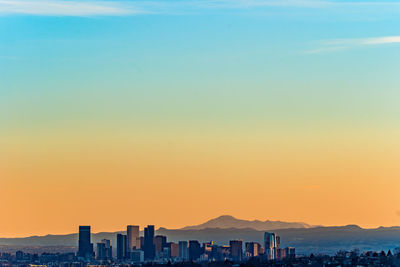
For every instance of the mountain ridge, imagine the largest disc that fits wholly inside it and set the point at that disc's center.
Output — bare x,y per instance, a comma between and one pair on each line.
306,238
228,221
328,239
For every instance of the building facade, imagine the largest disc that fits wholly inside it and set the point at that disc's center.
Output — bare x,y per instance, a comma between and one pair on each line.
85,249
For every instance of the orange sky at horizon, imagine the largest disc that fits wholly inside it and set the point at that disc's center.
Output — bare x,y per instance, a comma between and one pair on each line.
53,183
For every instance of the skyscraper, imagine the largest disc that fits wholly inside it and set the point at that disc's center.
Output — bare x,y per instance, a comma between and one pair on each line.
85,246
149,249
101,251
236,249
278,241
270,245
183,250
132,233
194,250
253,249
104,250
160,243
174,249
140,242
121,247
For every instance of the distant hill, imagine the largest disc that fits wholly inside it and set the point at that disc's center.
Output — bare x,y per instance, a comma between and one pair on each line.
69,240
306,240
227,221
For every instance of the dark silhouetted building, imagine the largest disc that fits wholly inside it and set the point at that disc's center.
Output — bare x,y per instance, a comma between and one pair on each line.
85,246
220,253
149,248
290,252
174,249
122,248
194,250
137,255
207,250
101,251
253,249
236,249
160,243
280,253
140,243
132,233
277,241
183,250
108,248
104,250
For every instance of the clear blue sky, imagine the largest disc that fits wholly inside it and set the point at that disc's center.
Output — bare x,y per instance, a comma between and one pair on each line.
305,53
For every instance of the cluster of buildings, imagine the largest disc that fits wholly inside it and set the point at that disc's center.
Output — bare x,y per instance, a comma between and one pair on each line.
134,248
341,258
273,250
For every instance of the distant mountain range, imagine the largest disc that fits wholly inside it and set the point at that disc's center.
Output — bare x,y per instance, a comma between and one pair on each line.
307,239
227,221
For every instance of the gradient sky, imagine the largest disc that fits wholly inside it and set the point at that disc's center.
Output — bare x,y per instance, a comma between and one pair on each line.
174,112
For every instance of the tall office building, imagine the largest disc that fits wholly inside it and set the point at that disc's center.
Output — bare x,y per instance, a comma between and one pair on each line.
269,240
290,252
253,249
272,244
280,253
160,243
122,248
183,250
236,249
278,241
149,249
132,233
194,250
85,246
104,250
174,249
269,245
140,243
101,251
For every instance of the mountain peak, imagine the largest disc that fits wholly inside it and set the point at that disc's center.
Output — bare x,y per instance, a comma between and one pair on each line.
225,217
228,221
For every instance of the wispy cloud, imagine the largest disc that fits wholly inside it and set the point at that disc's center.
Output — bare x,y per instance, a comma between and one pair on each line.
129,7
65,8
343,44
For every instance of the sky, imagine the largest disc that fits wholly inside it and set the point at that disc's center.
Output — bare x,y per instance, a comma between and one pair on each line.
174,112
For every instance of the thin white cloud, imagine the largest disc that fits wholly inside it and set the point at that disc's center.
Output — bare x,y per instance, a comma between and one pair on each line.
65,8
343,44
129,7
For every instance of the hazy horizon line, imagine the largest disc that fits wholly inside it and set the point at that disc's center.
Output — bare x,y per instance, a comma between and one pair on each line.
182,228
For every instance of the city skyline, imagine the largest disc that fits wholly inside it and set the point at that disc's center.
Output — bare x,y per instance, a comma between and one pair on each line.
157,248
174,112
